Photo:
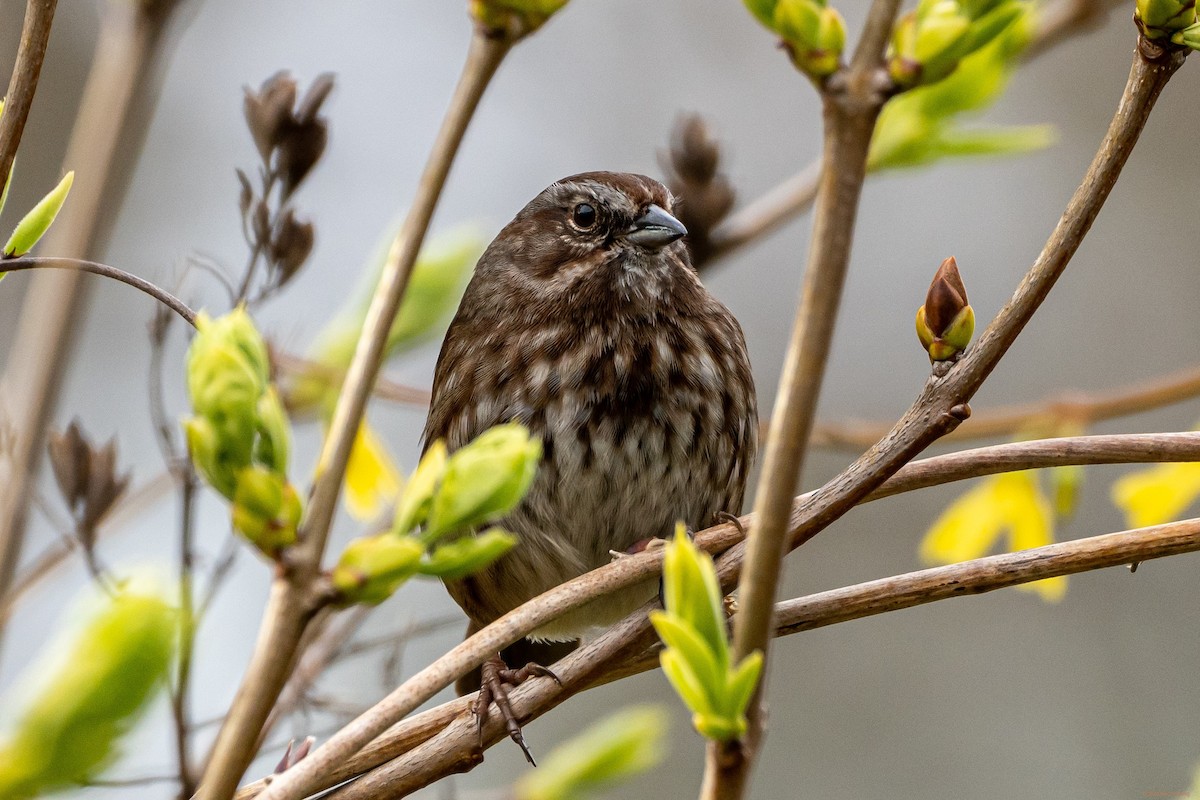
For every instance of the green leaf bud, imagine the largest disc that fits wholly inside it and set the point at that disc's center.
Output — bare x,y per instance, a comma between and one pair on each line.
417,497
987,27
623,744
515,18
692,593
204,444
103,678
1163,18
484,480
33,226
266,509
227,365
1188,37
275,432
466,555
946,322
372,568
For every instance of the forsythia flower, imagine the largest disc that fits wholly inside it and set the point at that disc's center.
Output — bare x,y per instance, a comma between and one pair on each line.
1158,494
372,478
1009,503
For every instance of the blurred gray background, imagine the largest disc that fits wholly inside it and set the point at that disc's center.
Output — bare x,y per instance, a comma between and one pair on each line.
998,696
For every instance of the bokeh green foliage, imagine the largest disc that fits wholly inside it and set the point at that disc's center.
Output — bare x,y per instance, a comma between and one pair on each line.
623,744
92,690
921,126
434,288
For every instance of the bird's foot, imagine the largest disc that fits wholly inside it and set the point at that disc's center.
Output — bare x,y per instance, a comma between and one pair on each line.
732,519
496,680
640,546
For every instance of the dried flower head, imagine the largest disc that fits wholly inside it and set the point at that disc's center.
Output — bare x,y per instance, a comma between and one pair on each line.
692,165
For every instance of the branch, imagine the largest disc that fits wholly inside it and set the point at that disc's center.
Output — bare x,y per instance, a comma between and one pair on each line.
384,389
852,100
22,85
936,471
1044,414
44,565
104,270
292,600
938,410
418,757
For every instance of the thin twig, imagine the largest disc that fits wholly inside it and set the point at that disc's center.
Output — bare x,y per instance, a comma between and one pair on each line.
22,85
80,265
765,214
383,389
1072,407
180,694
326,648
292,600
54,557
852,99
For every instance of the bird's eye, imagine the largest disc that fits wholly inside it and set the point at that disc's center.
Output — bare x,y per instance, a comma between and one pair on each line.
584,217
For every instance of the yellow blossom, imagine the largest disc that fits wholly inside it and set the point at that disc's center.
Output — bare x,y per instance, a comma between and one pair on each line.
372,478
1158,494
1010,503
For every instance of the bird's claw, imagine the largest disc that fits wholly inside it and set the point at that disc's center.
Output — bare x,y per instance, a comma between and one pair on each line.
496,678
732,519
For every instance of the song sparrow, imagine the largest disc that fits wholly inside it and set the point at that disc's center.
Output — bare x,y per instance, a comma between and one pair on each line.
586,322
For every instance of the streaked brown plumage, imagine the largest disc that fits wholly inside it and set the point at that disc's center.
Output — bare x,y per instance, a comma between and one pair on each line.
585,321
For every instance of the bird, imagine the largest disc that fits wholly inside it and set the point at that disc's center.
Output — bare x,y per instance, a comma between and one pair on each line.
585,321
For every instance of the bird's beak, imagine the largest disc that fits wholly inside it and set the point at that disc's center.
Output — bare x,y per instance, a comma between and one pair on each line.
656,228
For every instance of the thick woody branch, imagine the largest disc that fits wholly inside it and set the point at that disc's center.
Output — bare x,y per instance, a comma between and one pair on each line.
1078,450
852,99
441,741
938,410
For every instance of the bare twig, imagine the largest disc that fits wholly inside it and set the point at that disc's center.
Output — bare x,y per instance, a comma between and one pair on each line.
293,600
1044,415
180,706
54,557
104,270
383,389
767,213
852,99
121,85
22,85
